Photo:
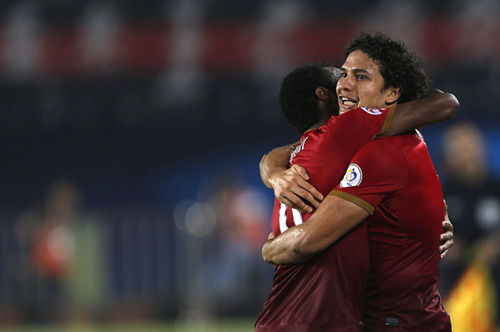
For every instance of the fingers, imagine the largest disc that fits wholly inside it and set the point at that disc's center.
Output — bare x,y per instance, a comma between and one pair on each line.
446,236
300,171
447,225
305,192
292,189
294,201
443,250
447,244
444,253
309,193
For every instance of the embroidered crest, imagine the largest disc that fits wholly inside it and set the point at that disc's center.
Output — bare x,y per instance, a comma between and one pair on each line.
352,177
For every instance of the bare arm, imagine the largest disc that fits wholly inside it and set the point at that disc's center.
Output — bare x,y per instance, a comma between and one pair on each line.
273,162
333,219
434,107
289,184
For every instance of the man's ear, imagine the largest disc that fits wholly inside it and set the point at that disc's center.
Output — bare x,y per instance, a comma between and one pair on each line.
392,95
323,94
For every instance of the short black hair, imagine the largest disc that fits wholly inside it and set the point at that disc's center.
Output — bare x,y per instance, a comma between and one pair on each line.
298,100
399,67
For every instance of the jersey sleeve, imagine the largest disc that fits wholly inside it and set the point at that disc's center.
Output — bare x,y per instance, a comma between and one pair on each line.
355,128
375,172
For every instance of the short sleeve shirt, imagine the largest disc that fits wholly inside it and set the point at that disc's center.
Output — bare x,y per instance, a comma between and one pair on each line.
393,178
324,294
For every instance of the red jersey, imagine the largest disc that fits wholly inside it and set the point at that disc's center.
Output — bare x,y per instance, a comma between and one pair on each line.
325,293
394,179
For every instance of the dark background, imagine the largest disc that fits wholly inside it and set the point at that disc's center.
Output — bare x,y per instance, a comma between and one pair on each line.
157,113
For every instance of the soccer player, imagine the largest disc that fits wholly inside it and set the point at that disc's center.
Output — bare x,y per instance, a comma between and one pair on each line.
324,293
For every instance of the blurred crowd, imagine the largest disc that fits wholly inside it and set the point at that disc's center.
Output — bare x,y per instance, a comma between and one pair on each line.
61,262
472,194
131,133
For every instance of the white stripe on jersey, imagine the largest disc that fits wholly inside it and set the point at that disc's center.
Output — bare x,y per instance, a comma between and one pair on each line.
296,215
283,226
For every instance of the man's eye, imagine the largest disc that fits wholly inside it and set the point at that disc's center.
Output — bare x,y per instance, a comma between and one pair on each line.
360,77
343,74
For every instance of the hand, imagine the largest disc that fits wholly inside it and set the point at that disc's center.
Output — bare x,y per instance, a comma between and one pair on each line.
292,189
447,237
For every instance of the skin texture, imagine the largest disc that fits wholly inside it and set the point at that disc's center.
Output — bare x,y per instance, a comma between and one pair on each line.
363,85
360,84
334,218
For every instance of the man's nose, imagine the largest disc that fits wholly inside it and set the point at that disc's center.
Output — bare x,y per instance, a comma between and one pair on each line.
346,83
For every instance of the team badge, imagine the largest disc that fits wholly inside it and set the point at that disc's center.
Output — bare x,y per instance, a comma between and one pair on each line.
372,111
352,177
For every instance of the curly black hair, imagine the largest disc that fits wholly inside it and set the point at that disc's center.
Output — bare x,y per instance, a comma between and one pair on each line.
298,100
399,67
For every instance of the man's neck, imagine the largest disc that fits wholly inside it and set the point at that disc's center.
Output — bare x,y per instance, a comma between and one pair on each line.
323,119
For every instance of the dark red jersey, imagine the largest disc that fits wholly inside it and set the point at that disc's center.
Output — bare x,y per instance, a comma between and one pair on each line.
326,293
394,179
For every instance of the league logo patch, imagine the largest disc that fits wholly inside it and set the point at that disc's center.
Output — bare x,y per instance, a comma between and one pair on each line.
372,111
352,177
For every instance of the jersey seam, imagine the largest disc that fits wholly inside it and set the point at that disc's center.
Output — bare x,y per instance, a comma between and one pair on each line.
387,121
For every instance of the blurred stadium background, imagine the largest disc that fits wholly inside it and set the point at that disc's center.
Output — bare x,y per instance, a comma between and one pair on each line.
131,133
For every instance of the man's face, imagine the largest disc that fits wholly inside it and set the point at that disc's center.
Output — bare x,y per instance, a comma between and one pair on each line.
361,84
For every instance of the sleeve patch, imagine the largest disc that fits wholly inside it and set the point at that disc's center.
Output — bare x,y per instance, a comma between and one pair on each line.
353,176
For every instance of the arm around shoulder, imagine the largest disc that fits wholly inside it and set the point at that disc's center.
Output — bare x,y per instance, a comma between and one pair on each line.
434,107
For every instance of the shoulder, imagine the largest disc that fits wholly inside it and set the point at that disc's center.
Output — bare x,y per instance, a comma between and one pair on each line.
382,146
383,153
364,112
362,117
